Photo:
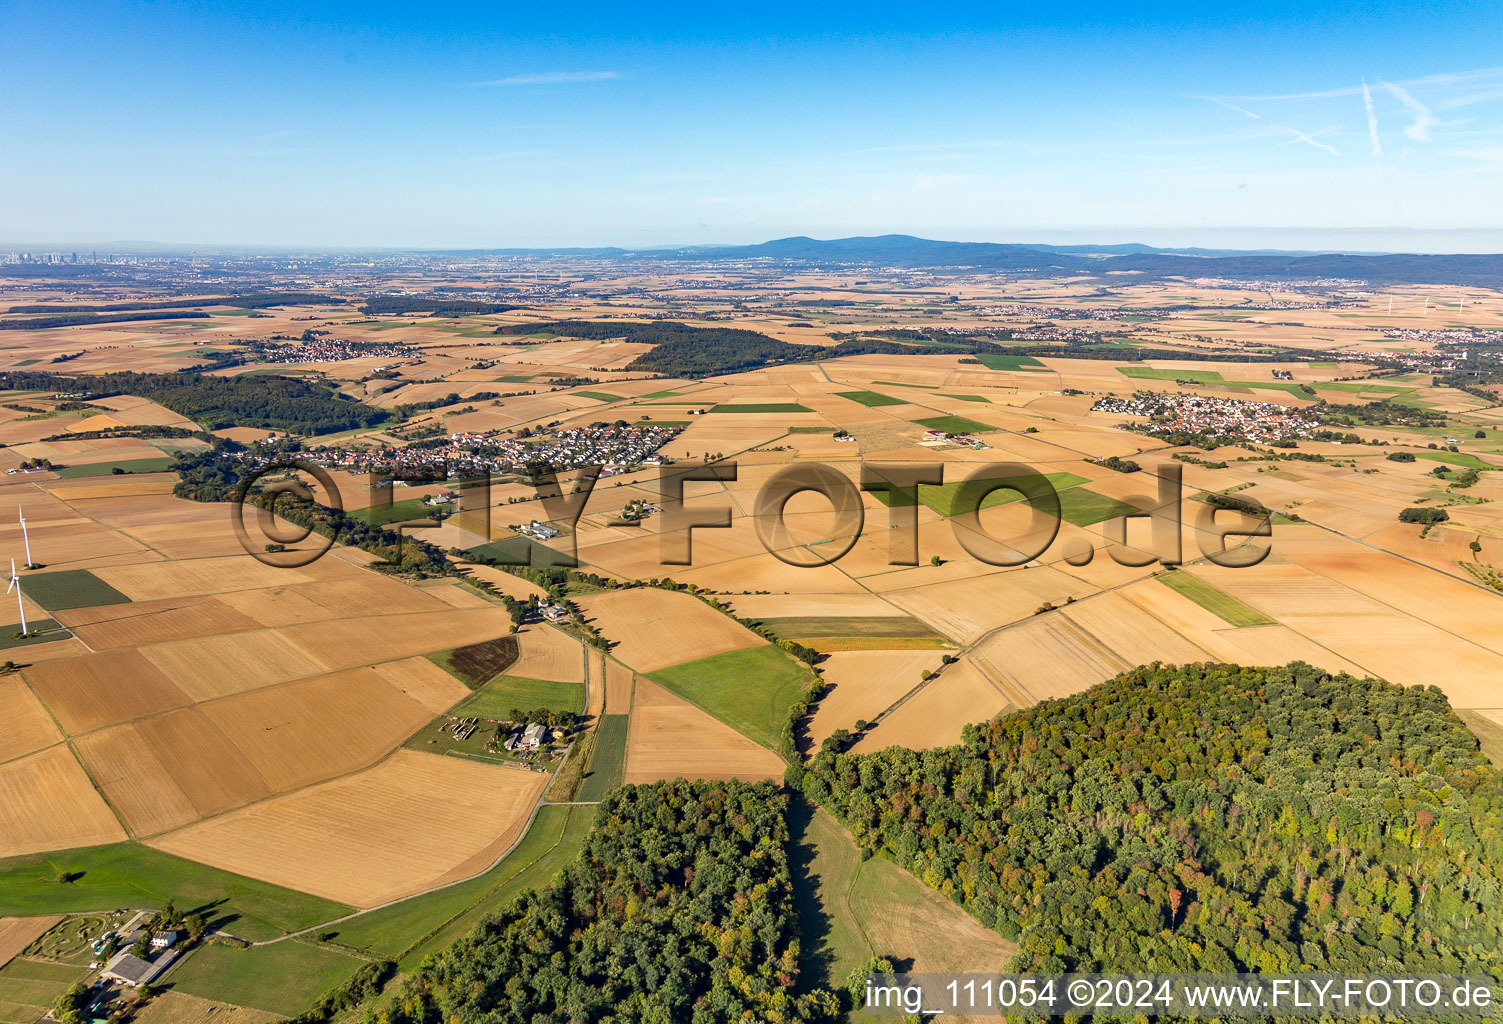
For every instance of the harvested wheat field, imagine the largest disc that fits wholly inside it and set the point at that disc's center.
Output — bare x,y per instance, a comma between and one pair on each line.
218,666
181,1008
546,653
863,684
376,638
156,580
31,792
669,737
398,828
934,716
16,933
653,629
94,690
25,725
148,622
618,687
424,682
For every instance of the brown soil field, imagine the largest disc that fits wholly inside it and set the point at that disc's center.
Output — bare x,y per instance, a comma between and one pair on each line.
863,684
16,933
618,687
546,653
934,716
31,792
145,622
652,629
319,840
25,725
94,690
669,737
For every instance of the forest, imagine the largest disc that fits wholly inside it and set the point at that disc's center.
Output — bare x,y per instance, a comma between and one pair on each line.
37,323
258,400
679,908
681,350
429,304
1205,817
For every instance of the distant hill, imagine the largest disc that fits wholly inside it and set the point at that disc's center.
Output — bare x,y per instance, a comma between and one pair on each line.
1142,260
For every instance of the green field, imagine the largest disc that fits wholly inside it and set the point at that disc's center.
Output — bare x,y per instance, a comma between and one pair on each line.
1210,378
969,398
762,407
409,930
521,550
1462,459
71,588
1214,600
497,698
805,626
749,690
1002,361
870,399
607,760
42,631
942,498
600,396
128,875
285,978
663,394
27,988
955,425
397,512
1082,507
906,384
148,465
1358,388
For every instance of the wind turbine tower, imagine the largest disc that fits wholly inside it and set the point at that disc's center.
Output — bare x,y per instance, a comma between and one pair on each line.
26,537
15,584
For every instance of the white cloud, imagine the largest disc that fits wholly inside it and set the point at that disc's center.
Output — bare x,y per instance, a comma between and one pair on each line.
553,78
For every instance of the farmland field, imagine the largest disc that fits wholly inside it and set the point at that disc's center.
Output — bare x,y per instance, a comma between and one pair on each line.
1217,602
607,759
285,978
498,697
750,690
75,588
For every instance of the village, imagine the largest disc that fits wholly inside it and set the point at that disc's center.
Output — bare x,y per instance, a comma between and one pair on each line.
1171,414
615,448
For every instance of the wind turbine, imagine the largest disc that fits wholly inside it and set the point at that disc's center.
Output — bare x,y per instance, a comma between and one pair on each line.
15,584
25,537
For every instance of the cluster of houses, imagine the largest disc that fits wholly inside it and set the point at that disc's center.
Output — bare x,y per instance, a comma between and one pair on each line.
937,438
333,350
616,449
127,968
1198,414
526,739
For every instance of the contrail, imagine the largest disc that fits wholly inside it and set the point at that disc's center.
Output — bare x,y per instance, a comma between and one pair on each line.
1372,120
1424,120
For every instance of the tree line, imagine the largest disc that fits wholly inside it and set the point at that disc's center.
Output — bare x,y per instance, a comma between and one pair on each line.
1203,818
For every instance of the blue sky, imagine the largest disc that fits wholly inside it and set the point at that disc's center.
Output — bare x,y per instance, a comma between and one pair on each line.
572,124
